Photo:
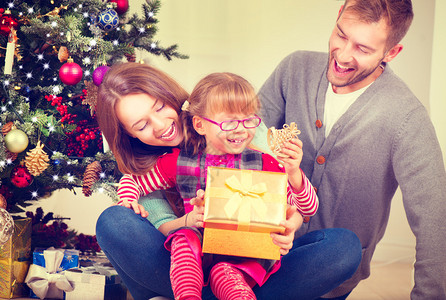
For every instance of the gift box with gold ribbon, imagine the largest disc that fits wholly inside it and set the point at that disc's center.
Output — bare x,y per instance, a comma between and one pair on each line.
15,258
242,208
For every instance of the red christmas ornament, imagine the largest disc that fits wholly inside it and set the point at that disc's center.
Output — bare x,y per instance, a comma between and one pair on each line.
20,177
6,22
121,6
70,73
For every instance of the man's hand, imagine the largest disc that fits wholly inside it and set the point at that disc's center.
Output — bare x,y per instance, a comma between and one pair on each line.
292,223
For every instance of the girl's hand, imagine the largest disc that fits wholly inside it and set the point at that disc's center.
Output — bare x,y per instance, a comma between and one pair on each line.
195,217
293,222
136,207
291,157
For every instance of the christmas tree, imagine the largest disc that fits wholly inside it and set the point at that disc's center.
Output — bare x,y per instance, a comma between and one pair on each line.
53,55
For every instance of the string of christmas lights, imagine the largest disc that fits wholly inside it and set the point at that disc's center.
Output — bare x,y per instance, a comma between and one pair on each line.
51,55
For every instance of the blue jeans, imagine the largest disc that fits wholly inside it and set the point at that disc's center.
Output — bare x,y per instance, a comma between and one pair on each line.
318,262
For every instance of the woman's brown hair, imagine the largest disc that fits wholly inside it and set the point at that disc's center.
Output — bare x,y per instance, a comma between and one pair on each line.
133,156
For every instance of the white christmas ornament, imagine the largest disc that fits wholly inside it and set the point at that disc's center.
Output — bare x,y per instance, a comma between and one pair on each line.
6,226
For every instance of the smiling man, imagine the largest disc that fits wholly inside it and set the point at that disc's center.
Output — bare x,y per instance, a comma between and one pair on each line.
365,133
358,47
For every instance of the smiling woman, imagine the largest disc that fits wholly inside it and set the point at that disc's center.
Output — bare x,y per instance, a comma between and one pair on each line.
137,112
151,121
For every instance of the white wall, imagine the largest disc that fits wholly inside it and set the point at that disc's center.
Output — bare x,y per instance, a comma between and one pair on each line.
438,86
250,37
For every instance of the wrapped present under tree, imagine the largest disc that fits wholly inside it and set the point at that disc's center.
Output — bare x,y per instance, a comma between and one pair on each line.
46,277
15,258
97,282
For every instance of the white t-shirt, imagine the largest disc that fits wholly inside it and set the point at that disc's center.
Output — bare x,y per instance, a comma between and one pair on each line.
337,104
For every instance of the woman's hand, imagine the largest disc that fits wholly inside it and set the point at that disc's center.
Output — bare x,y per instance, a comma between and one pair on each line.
293,222
195,217
135,206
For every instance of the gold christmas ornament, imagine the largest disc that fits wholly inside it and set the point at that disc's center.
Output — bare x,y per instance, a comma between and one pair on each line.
55,12
91,175
277,137
3,202
5,129
36,160
6,227
16,140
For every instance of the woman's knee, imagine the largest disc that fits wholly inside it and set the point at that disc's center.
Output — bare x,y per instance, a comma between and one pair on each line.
117,222
110,217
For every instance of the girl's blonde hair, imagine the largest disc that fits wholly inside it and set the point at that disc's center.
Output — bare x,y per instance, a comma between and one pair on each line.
217,92
133,156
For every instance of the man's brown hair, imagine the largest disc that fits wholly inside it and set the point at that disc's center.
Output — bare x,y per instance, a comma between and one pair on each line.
398,15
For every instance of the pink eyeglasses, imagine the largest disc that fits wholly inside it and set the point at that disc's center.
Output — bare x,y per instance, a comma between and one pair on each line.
233,124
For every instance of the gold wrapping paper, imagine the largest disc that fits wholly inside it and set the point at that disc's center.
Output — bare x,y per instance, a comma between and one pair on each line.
262,212
243,206
15,257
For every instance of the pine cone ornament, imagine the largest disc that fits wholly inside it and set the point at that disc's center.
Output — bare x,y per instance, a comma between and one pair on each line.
91,96
131,57
276,137
63,54
91,175
11,155
7,128
36,160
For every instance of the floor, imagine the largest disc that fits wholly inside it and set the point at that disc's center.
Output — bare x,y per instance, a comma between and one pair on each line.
387,281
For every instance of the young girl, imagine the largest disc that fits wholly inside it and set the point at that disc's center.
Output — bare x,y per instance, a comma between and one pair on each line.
219,122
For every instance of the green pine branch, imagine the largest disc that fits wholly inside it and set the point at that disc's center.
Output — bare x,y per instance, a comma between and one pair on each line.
45,28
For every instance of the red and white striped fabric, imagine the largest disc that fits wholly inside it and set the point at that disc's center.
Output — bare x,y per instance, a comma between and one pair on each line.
163,176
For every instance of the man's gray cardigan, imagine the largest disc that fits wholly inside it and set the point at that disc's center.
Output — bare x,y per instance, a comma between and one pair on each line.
384,140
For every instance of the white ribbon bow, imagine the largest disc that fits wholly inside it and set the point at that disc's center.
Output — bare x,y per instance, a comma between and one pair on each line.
46,282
